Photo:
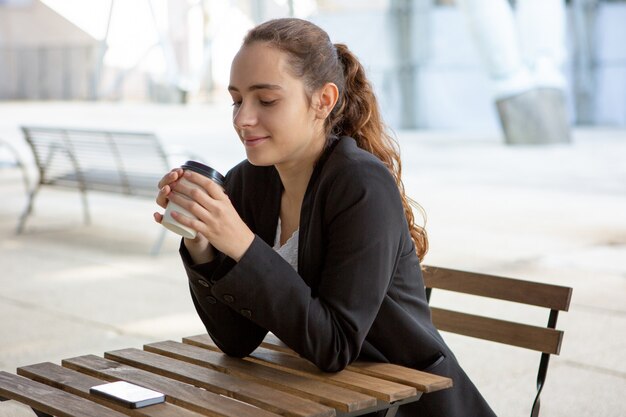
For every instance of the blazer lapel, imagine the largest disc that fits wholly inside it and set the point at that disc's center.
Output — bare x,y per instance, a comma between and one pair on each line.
267,214
305,268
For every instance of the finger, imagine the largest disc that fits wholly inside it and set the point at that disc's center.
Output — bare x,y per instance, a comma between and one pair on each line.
184,187
198,192
199,203
170,177
187,202
216,191
211,187
158,217
187,221
161,199
165,180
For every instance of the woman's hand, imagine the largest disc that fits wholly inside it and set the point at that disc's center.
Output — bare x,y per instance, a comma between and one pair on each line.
218,221
199,248
165,187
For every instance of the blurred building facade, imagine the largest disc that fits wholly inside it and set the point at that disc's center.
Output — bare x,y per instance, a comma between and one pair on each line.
43,56
448,87
418,53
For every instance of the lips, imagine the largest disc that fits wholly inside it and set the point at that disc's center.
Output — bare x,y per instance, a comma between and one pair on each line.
254,140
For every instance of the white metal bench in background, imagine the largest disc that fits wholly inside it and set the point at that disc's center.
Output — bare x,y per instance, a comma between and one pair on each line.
16,161
119,162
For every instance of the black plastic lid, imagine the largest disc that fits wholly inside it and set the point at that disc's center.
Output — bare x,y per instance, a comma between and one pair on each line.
205,170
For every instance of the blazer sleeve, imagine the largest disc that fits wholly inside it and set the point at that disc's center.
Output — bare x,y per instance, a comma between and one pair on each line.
232,332
363,221
217,317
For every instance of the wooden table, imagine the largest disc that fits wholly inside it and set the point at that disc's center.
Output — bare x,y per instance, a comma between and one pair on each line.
199,380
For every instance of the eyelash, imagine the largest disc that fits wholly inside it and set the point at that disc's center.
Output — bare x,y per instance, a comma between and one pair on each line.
263,103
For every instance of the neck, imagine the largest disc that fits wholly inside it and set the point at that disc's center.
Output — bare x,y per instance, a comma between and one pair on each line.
295,180
295,176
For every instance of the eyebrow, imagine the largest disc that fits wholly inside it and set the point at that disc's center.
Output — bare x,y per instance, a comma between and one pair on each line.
257,87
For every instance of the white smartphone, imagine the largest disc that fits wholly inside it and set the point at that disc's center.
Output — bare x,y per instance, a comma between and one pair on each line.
130,395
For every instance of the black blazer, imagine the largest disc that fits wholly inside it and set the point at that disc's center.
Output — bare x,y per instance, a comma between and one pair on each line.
358,291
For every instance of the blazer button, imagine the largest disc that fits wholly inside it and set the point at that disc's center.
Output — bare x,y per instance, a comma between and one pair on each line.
229,298
211,300
203,283
246,313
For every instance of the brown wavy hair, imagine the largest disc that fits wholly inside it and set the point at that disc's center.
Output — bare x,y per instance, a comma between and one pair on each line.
317,61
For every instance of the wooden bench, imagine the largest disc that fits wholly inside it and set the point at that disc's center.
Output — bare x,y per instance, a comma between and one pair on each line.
546,340
125,163
198,379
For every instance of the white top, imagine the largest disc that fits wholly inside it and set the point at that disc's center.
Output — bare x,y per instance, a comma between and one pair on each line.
289,251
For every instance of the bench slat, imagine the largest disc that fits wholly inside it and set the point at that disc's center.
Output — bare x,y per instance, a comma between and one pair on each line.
140,185
179,393
330,395
50,400
532,293
240,389
522,335
98,160
383,390
423,381
78,384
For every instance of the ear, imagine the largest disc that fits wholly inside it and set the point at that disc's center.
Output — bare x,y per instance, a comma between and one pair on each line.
325,99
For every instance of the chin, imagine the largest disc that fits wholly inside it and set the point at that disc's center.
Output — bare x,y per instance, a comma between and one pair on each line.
259,161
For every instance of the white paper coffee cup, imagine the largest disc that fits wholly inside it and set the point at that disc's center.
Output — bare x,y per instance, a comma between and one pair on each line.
168,221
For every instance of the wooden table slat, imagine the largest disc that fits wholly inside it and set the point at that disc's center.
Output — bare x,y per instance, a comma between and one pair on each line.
199,380
388,391
331,395
423,381
240,389
272,342
179,393
50,400
79,384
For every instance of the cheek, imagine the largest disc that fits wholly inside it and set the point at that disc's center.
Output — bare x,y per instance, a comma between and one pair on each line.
287,119
300,117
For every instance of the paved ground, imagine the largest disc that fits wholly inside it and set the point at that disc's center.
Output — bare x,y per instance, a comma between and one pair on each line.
554,214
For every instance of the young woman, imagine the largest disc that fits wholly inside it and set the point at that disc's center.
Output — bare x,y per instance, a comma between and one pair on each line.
313,238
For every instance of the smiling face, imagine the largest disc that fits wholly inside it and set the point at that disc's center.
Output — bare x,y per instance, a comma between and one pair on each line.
272,114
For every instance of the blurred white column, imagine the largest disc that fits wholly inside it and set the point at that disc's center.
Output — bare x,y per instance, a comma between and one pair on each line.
541,25
493,26
524,51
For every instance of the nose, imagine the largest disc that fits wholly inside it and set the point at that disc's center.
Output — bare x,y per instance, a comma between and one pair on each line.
244,116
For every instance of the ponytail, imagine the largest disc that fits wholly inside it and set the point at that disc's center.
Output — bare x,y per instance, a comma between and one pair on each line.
356,113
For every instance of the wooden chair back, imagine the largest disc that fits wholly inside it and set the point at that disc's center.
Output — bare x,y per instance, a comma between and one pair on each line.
546,340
